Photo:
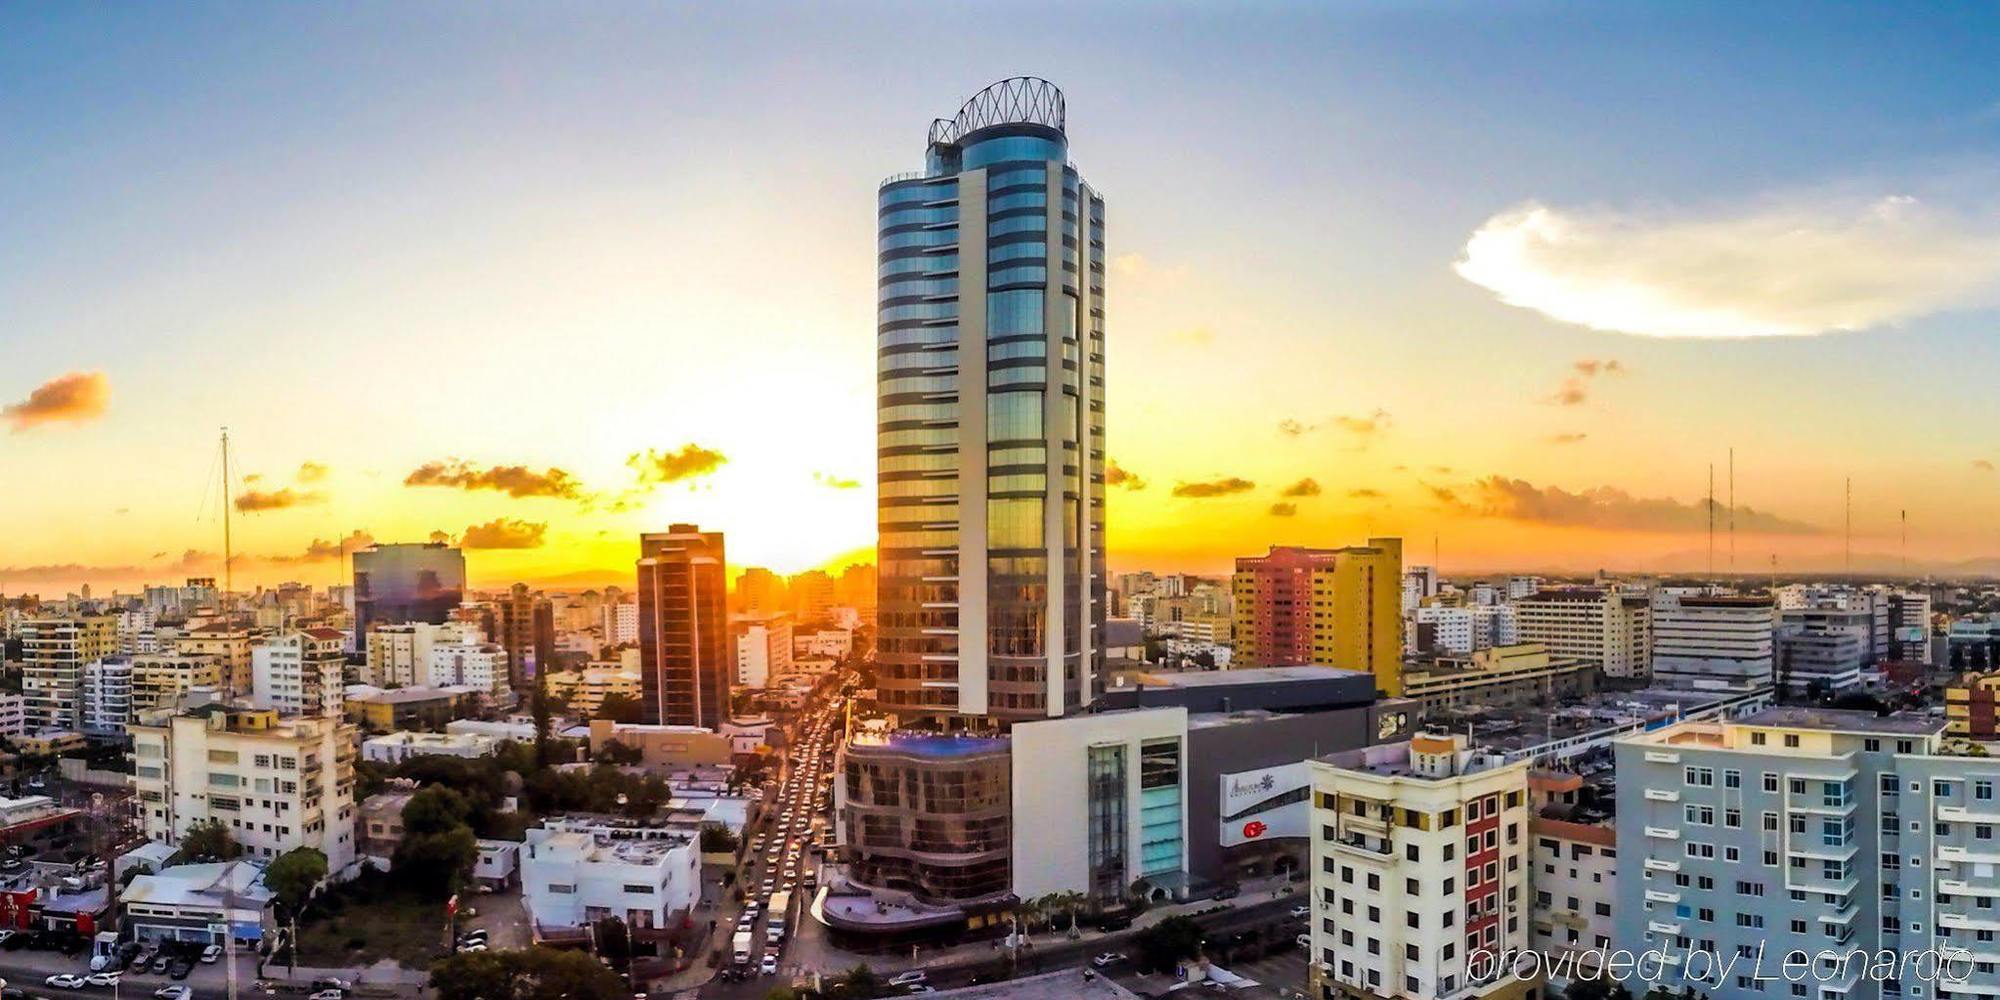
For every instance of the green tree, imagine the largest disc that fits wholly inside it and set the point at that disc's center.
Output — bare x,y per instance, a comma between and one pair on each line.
614,942
438,847
859,983
718,839
1167,943
207,840
617,752
529,974
619,708
293,877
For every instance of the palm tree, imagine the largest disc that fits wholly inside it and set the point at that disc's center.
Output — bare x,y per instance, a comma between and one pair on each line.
1068,901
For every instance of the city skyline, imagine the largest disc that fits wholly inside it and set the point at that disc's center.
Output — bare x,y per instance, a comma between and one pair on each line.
1409,273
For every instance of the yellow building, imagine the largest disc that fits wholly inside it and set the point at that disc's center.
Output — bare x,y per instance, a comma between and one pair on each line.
161,680
229,645
1333,607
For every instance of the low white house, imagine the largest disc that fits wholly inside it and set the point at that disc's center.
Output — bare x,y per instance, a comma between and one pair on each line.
499,863
575,871
394,748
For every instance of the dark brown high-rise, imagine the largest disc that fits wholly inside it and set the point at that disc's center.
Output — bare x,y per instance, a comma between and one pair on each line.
684,656
527,625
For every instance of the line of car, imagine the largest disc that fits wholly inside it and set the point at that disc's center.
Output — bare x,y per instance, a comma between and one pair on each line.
802,793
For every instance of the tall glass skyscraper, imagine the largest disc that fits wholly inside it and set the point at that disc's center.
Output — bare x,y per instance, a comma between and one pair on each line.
990,339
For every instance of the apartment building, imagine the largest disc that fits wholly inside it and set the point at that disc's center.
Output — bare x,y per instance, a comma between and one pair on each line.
163,680
1420,871
1797,831
13,716
1600,625
277,783
1335,607
1575,870
763,642
299,672
54,653
482,666
1455,629
1972,707
400,654
1822,647
107,696
1712,643
230,646
586,689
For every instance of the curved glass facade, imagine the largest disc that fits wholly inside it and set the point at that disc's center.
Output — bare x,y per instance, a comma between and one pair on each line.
991,422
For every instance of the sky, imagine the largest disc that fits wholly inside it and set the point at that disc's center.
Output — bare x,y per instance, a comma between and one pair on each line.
1506,280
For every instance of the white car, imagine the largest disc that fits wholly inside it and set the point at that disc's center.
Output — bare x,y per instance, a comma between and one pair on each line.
328,995
1300,911
102,979
472,946
1106,959
65,981
910,978
174,992
769,966
211,954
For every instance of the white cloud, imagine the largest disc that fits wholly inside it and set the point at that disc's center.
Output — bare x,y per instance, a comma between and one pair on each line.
1807,266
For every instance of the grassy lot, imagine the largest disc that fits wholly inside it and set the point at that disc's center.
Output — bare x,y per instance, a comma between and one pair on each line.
363,924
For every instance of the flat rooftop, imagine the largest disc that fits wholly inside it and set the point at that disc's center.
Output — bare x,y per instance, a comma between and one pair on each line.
1252,675
1065,984
1844,721
939,745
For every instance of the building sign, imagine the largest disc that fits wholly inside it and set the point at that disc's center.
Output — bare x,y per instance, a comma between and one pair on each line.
1266,804
1393,722
16,908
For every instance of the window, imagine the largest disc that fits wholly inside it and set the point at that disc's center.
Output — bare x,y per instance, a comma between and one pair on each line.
1732,779
1756,739
1982,789
1699,777
1770,781
1791,739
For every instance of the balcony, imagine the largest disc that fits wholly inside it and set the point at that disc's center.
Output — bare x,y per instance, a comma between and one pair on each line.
1663,927
1662,795
1662,865
1374,848
1662,896
1988,813
1662,757
1663,832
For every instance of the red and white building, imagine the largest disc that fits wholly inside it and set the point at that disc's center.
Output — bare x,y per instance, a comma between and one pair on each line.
1420,872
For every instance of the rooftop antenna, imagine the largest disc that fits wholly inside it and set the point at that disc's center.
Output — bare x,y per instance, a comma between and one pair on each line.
1711,527
1903,516
1847,532
228,552
1732,511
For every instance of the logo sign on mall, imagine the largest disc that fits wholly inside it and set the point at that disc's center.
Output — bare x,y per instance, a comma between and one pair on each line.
1254,829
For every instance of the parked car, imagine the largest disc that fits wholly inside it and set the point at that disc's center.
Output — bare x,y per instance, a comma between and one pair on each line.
327,995
1300,911
65,981
910,978
330,983
180,968
175,992
1228,891
102,979
211,954
1106,959
161,963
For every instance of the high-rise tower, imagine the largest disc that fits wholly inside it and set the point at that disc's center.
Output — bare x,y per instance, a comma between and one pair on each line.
990,341
685,659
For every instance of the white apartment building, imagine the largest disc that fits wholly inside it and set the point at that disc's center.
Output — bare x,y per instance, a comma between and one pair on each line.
620,623
276,783
54,653
107,696
1574,874
474,664
1600,625
577,871
299,672
834,642
163,680
1467,629
13,716
1419,583
763,647
586,689
1521,586
1712,643
230,647
1420,871
400,655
